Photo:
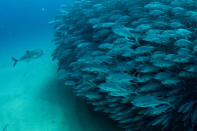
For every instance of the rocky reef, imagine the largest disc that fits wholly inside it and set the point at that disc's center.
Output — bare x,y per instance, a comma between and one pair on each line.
135,60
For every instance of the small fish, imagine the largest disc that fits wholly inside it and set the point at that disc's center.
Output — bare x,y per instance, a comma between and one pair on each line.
28,56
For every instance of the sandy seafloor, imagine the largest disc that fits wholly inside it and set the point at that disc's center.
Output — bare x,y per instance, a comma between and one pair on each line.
33,99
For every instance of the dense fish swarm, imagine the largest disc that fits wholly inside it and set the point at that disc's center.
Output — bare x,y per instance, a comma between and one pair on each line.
135,60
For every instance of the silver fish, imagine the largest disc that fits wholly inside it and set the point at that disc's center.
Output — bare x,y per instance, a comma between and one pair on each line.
28,56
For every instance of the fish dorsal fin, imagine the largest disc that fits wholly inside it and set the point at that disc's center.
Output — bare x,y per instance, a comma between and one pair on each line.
27,51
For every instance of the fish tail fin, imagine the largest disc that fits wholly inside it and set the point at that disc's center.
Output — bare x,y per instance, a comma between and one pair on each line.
15,61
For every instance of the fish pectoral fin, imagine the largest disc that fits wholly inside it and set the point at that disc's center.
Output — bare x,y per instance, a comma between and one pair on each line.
15,61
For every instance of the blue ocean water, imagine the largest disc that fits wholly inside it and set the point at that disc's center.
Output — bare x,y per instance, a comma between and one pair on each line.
32,98
133,61
25,20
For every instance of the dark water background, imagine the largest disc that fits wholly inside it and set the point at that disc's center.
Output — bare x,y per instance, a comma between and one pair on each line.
25,18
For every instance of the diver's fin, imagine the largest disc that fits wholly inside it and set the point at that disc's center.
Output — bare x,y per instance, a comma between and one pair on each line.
27,51
15,61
